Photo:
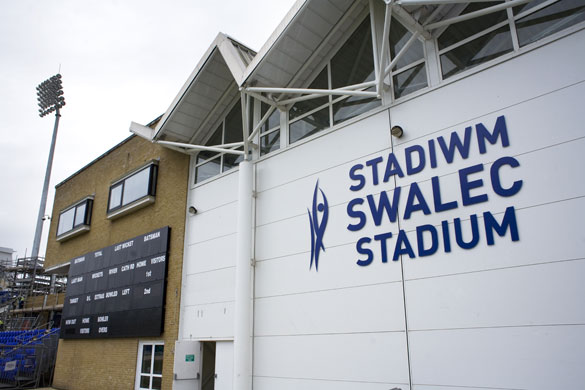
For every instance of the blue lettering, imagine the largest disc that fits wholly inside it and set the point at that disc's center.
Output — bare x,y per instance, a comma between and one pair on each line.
509,221
374,164
356,214
456,144
392,168
410,168
411,206
467,186
439,205
364,251
384,206
500,130
358,177
399,250
495,175
420,230
474,233
382,238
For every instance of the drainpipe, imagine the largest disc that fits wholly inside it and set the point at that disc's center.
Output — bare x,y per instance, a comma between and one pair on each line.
243,302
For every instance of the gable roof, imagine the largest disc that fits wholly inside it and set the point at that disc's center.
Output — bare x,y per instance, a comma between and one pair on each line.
205,96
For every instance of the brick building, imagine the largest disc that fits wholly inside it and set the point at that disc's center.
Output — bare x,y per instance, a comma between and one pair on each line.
92,212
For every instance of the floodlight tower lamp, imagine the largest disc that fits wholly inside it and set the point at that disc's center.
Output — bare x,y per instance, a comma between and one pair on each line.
50,98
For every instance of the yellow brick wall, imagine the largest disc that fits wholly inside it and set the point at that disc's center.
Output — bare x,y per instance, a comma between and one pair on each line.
111,363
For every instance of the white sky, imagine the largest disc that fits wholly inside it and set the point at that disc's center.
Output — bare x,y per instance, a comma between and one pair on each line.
121,61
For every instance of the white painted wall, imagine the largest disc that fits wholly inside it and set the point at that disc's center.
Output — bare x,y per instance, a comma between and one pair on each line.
507,316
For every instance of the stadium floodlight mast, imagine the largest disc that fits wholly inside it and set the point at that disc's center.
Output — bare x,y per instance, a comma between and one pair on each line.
51,99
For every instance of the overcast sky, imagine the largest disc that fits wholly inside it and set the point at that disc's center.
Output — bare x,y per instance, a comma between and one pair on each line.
121,61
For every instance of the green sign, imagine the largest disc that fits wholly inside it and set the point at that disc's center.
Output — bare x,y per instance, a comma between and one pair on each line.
189,358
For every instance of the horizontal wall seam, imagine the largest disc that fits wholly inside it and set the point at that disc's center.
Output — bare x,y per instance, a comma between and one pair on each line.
424,136
429,179
211,239
207,303
329,380
326,290
328,334
499,327
479,217
209,271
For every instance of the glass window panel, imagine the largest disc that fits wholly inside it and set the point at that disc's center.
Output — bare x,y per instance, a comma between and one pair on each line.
475,52
354,62
66,221
309,125
233,125
269,142
459,31
303,107
549,20
207,170
272,121
116,196
80,214
158,359
410,80
144,382
216,138
136,186
156,383
353,106
231,160
146,359
399,35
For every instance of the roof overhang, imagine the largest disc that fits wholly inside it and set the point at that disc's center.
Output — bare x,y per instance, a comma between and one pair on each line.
206,95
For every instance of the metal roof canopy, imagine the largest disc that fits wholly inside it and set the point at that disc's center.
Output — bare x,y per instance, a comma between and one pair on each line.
207,94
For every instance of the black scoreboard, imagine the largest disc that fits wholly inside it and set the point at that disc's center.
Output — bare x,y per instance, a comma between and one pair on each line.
118,291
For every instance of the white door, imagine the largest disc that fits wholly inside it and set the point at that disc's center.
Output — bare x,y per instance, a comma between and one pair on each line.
224,365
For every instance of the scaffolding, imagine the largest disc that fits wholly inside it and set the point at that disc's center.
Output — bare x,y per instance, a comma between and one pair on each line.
31,302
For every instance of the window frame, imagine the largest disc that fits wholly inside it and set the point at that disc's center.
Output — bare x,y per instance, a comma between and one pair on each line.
139,358
222,167
76,229
142,201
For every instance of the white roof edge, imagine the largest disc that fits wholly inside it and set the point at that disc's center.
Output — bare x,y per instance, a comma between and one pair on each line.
225,45
57,267
292,13
142,131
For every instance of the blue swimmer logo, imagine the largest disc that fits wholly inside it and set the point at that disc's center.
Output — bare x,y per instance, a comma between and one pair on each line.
318,228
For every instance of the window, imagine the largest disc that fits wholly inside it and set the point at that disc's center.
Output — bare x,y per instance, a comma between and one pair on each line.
229,131
270,132
133,191
466,44
352,64
149,366
75,219
409,74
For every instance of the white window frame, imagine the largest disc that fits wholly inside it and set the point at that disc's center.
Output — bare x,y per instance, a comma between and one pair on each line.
143,201
151,375
80,228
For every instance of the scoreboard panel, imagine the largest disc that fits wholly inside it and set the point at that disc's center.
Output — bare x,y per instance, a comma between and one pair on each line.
119,290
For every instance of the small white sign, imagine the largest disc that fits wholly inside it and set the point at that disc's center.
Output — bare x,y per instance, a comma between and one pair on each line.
10,366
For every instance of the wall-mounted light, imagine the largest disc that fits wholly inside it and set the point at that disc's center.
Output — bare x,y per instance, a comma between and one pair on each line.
192,210
396,131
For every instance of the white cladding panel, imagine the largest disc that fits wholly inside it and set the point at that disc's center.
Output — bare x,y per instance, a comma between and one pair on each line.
207,294
507,315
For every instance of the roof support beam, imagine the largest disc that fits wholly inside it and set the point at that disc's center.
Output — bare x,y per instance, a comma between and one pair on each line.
476,14
402,51
382,72
367,84
261,123
436,2
324,92
197,148
409,22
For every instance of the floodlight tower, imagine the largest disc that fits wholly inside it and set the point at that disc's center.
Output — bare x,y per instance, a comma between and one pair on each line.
51,99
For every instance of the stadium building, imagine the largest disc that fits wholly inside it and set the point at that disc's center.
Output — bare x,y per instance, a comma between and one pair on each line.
385,196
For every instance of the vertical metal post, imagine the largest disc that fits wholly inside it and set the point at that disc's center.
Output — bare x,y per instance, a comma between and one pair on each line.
42,207
243,291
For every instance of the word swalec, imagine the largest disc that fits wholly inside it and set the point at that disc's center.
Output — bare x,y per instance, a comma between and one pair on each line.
385,208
